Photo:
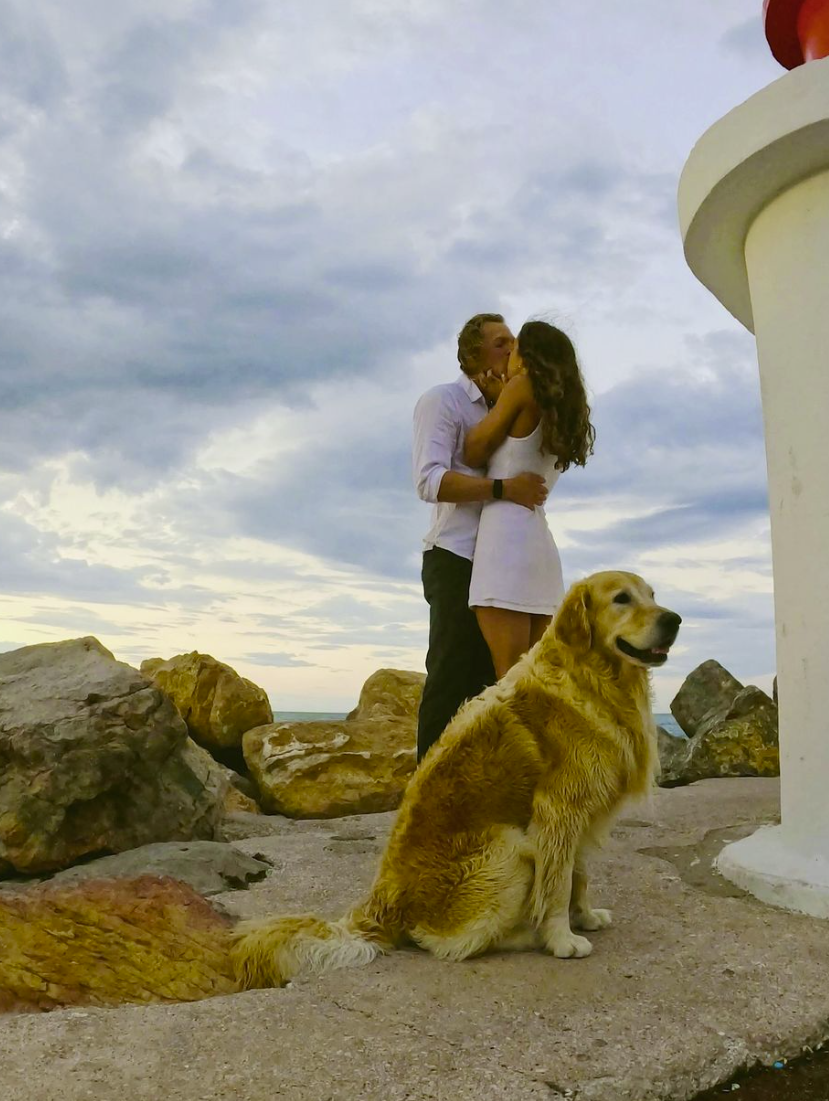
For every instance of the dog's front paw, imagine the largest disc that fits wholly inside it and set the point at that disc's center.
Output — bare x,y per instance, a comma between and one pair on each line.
566,946
591,920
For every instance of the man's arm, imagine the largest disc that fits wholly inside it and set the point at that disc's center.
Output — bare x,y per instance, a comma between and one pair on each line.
525,489
436,432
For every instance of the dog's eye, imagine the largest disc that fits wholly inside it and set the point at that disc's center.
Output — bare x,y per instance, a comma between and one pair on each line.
621,598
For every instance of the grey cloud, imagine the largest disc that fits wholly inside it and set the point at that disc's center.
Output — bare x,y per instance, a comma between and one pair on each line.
361,634
747,39
368,277
705,517
344,610
34,566
164,279
746,649
271,658
683,443
142,67
593,178
667,434
30,63
79,621
161,298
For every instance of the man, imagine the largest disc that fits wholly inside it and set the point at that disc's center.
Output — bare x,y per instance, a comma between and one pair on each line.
458,663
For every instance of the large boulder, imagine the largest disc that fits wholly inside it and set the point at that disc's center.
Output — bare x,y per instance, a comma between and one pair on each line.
240,794
707,689
93,759
390,692
216,703
357,766
328,769
739,739
148,939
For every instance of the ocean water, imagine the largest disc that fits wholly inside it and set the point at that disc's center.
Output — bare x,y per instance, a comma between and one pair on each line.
666,720
307,716
670,724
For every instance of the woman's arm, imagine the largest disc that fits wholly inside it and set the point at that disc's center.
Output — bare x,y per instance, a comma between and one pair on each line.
490,433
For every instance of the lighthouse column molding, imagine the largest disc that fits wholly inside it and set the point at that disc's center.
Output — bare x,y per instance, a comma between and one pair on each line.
787,255
754,208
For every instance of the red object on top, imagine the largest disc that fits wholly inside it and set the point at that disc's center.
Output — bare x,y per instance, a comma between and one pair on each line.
797,30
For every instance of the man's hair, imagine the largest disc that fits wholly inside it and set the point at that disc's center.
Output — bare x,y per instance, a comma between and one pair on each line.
470,339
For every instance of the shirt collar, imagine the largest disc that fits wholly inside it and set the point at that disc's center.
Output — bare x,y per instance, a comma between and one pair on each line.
469,388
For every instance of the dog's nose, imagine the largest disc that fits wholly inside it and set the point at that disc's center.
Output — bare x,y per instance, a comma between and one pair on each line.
670,621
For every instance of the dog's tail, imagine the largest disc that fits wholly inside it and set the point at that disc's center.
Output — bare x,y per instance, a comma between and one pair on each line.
273,951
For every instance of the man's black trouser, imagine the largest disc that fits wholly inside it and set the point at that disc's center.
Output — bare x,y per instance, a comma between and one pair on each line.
458,664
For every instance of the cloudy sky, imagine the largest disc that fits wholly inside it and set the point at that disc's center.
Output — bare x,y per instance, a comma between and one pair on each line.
236,243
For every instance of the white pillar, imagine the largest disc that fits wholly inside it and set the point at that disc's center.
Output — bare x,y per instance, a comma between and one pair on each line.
754,209
787,255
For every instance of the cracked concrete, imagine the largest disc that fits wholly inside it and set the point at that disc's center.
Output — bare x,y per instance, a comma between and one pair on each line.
693,981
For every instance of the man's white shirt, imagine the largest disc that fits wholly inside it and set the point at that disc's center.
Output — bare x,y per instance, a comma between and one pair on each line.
442,418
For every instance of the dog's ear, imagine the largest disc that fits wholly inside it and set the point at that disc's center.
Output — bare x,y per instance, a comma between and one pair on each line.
572,623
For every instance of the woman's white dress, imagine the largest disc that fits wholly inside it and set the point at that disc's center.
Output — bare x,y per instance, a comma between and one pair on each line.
516,563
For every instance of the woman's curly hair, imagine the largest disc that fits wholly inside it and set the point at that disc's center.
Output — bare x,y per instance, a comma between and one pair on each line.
558,388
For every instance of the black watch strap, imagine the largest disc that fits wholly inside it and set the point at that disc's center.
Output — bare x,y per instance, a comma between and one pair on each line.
497,489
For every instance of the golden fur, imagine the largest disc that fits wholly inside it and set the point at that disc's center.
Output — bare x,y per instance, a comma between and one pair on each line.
488,848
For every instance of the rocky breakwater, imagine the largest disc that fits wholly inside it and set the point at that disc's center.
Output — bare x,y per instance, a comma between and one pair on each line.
218,706
105,942
731,729
359,765
109,810
94,759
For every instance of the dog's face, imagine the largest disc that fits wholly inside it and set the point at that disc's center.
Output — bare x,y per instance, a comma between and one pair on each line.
617,614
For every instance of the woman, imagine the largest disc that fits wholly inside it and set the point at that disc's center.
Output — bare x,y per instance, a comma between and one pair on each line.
540,422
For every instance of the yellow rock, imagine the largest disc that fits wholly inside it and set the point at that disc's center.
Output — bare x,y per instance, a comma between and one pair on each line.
104,942
390,692
328,769
216,703
236,800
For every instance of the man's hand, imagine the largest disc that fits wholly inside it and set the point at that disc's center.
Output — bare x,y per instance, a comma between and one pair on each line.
526,489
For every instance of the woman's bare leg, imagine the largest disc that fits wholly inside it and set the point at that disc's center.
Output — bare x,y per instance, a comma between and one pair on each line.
507,634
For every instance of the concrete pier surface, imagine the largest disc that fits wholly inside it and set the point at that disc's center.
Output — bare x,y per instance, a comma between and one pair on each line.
694,981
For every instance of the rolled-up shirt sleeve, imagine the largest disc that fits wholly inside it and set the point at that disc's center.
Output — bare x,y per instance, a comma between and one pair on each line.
436,430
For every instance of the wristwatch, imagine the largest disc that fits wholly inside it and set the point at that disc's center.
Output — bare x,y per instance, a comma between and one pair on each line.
497,489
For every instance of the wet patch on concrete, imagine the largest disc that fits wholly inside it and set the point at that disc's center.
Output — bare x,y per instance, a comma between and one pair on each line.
695,863
353,841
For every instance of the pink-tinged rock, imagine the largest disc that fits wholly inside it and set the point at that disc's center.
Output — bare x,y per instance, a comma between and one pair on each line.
106,942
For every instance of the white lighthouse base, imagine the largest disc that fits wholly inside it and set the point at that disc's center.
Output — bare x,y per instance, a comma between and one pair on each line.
754,208
766,866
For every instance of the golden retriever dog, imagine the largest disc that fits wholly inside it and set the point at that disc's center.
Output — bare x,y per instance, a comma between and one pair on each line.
488,849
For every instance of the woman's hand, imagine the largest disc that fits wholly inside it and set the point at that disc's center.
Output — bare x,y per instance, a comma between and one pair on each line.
490,386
